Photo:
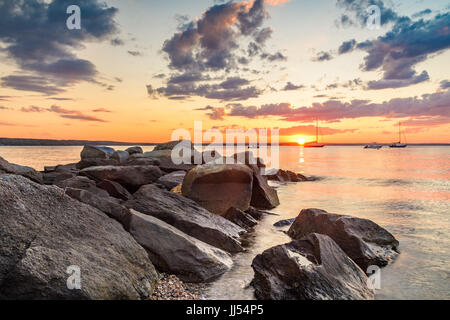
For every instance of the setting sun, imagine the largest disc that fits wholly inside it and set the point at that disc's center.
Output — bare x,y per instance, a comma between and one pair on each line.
301,141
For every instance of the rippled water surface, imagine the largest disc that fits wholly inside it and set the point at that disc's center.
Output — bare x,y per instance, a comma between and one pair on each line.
406,191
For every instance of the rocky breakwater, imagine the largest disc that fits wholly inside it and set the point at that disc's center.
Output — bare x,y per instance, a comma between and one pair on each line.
30,173
113,216
44,232
327,259
362,240
313,268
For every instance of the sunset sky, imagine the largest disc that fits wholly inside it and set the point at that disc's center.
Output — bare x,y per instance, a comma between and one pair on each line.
139,69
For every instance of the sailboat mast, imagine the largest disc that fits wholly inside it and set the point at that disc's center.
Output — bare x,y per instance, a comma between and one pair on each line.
400,132
317,130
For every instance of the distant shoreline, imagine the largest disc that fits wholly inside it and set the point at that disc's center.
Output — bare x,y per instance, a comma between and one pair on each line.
23,142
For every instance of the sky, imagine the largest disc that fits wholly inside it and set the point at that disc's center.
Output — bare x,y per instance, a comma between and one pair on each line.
139,69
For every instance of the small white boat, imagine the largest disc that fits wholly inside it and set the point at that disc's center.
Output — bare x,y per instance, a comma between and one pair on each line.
373,146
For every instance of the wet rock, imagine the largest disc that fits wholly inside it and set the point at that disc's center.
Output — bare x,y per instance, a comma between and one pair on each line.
27,172
219,187
115,189
134,150
285,176
259,214
312,268
187,216
263,195
44,232
131,177
242,219
284,223
172,180
174,251
363,240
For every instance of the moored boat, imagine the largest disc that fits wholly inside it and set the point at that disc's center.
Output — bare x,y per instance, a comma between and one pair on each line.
373,146
399,144
315,144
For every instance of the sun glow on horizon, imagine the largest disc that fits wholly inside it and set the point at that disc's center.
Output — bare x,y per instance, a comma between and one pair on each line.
301,141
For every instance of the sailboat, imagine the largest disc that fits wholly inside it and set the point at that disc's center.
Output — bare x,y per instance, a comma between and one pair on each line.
315,144
399,144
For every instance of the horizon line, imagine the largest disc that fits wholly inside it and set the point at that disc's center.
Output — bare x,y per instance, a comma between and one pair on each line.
15,142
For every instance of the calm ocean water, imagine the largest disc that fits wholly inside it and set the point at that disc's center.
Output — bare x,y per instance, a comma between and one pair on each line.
406,191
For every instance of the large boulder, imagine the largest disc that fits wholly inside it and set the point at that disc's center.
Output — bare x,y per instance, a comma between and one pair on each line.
131,177
172,180
44,232
94,156
187,216
83,183
27,172
96,152
138,159
263,195
177,253
54,175
313,268
108,205
115,189
167,163
363,240
242,219
96,162
219,187
259,214
120,156
173,144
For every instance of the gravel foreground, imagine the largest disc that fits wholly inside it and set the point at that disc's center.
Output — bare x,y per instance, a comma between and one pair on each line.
170,287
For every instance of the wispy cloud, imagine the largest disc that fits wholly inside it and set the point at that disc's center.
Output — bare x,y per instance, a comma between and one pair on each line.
62,112
431,106
101,110
32,109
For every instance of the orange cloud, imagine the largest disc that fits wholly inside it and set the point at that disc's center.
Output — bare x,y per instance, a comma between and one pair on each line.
276,2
